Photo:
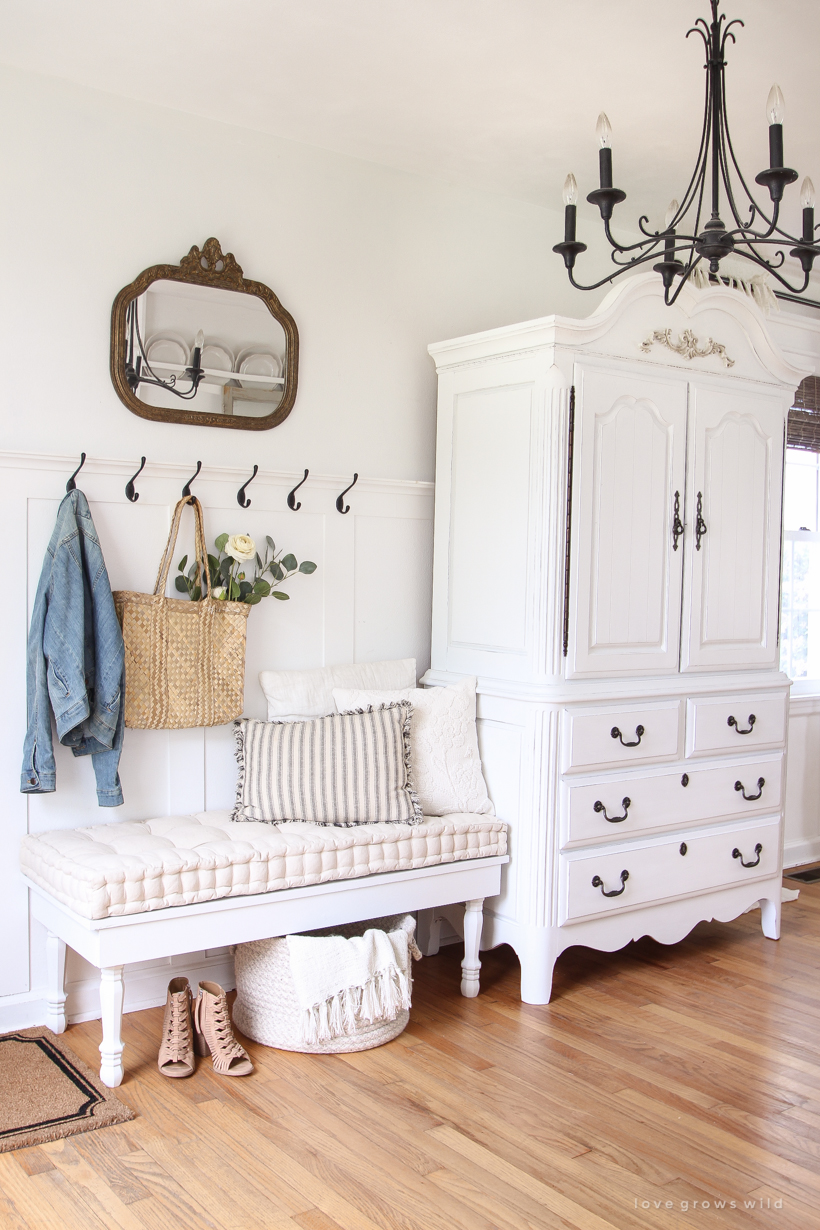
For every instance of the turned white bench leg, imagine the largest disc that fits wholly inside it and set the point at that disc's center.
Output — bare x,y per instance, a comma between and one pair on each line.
470,966
111,1047
55,989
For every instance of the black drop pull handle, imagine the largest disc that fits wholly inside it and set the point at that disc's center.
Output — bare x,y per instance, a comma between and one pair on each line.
684,781
700,524
597,882
758,851
625,804
616,734
677,524
751,798
683,847
732,721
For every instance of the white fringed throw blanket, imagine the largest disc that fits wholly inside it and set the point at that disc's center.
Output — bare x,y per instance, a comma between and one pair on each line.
342,983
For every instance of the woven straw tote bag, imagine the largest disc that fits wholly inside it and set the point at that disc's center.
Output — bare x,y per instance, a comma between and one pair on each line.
184,661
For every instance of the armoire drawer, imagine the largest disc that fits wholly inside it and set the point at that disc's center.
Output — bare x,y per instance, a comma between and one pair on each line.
615,737
676,867
736,724
625,806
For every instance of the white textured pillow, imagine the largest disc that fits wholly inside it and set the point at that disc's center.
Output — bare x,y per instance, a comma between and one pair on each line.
293,695
443,744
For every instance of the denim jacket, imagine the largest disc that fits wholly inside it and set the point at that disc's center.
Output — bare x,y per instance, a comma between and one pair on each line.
76,659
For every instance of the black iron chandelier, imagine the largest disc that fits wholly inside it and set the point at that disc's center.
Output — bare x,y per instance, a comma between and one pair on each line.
710,241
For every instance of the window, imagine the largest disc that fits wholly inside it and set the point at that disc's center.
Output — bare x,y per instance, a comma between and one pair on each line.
800,579
800,576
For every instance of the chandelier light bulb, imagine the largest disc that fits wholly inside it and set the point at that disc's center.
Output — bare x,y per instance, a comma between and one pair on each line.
603,131
199,340
671,210
775,105
807,194
570,190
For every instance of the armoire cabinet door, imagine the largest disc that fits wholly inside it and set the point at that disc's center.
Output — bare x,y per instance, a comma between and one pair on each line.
625,585
735,474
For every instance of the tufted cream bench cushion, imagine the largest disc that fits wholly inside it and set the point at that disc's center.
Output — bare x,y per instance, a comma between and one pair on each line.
131,867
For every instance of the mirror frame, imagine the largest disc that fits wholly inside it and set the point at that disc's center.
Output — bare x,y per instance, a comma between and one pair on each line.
199,268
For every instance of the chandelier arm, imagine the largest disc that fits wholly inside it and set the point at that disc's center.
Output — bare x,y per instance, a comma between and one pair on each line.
630,247
638,260
764,264
684,278
700,163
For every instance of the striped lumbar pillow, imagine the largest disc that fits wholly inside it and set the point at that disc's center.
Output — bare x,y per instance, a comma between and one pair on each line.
343,769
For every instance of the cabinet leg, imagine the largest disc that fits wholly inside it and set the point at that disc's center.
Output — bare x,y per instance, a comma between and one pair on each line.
111,1047
470,966
55,990
537,956
770,918
428,932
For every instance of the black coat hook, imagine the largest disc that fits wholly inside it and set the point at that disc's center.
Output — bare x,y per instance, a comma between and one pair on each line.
186,490
340,505
292,504
241,499
130,493
71,485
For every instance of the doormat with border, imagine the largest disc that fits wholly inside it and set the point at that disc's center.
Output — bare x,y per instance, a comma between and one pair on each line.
46,1092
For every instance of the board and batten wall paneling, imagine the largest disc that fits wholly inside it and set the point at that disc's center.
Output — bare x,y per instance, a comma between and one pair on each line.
369,599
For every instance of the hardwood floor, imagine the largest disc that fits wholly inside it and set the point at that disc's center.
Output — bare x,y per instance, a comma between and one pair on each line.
665,1076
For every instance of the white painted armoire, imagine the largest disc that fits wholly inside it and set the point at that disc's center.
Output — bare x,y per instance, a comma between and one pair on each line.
607,562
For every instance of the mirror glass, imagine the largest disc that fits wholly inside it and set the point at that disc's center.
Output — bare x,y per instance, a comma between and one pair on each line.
199,343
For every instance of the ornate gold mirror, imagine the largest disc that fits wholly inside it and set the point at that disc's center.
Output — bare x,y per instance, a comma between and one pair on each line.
199,343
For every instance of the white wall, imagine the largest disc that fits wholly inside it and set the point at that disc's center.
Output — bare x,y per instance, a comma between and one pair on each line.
374,264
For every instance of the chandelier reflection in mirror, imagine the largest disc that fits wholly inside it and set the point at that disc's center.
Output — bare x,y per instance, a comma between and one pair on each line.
682,250
137,364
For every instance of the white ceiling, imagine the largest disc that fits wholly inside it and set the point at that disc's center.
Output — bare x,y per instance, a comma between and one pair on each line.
499,95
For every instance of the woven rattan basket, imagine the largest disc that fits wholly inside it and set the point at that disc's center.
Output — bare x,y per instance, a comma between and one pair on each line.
267,1010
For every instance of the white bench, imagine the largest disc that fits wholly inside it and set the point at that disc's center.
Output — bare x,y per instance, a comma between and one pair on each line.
125,892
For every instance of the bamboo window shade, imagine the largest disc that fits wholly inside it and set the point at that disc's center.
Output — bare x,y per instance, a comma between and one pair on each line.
804,417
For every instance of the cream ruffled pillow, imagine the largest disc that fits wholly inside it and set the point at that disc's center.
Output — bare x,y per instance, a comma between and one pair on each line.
443,744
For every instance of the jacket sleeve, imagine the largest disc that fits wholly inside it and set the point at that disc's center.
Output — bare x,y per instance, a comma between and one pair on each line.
38,774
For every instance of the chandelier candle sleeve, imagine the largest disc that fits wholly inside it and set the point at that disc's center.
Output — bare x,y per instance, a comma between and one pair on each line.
570,204
807,201
603,130
775,108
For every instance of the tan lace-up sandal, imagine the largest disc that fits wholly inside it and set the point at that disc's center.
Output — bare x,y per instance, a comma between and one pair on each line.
176,1051
213,1032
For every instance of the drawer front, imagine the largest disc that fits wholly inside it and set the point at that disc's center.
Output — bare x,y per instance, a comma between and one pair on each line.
735,724
660,871
618,737
624,806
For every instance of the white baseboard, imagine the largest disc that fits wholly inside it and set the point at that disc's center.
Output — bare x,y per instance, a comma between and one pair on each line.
797,853
146,985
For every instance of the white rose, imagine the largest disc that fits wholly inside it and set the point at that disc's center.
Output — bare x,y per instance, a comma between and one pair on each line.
240,547
219,592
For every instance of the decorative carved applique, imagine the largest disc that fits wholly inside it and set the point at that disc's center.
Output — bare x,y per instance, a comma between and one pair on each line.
687,345
210,264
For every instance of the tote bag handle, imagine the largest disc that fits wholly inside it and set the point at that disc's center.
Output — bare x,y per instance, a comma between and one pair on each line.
203,576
